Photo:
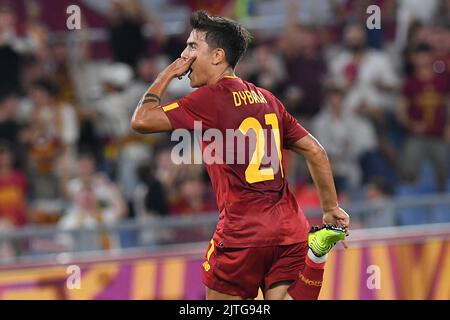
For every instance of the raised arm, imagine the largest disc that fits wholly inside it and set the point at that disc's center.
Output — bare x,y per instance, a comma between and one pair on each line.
320,169
148,116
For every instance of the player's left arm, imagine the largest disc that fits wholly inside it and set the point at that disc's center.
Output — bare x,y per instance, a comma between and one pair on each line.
149,116
321,172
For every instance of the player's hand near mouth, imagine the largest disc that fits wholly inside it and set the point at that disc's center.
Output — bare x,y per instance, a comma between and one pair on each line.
148,116
179,67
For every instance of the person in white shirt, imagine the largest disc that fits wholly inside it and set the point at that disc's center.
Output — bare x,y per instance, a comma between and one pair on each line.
94,200
345,136
364,70
51,137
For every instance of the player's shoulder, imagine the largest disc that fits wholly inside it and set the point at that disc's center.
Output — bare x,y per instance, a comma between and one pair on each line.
267,93
270,97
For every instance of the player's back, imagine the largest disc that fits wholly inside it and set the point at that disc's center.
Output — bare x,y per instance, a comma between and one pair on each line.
245,130
249,118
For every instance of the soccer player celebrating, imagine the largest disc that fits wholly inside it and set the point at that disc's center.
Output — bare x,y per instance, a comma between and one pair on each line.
262,240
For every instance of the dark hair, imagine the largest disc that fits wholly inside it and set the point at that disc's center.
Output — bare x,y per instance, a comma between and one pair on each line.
5,146
223,33
421,47
47,85
6,92
87,153
383,185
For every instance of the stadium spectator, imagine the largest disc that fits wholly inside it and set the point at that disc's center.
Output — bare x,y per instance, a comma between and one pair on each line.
378,193
149,202
94,200
335,127
13,206
10,129
126,31
267,69
365,70
134,149
60,67
10,48
418,33
193,195
112,107
175,43
165,170
35,30
111,115
441,46
423,114
411,11
306,69
85,75
371,83
355,11
13,190
52,135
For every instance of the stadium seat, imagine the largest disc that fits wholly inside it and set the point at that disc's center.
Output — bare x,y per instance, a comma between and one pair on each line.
425,183
440,214
412,216
127,238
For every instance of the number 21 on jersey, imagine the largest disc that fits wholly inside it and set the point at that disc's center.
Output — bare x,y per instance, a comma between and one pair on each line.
254,173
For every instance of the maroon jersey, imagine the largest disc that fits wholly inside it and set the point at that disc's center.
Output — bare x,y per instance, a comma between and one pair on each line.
426,101
255,205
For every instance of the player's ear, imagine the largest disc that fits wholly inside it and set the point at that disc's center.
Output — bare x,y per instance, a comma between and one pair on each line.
218,56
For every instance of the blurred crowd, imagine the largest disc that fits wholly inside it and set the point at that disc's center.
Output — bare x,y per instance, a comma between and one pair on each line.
377,100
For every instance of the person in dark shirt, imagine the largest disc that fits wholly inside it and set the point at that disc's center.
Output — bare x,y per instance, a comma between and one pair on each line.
127,38
11,130
10,58
424,114
306,69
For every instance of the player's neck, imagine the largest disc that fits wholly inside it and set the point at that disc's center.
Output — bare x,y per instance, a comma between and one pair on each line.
228,72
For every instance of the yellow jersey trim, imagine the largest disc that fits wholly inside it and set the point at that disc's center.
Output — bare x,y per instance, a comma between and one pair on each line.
171,106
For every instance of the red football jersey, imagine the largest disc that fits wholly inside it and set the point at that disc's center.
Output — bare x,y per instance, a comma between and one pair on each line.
255,205
427,102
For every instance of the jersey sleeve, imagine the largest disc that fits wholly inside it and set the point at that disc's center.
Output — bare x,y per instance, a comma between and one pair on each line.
292,130
199,105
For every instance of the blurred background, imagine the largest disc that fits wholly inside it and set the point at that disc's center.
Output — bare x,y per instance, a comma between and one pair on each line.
78,187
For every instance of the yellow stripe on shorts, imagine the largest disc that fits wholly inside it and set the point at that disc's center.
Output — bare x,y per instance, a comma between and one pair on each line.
210,251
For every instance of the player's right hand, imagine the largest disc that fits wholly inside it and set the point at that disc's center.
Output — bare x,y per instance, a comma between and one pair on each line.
180,67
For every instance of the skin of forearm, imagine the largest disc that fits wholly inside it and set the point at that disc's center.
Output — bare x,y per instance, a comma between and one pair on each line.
142,114
320,169
321,173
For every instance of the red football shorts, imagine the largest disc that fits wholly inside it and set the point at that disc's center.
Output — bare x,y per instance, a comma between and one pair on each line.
242,271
